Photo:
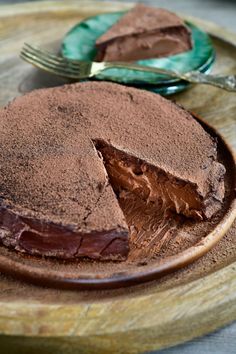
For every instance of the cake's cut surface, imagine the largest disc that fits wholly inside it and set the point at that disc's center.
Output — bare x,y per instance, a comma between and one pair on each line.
142,33
56,197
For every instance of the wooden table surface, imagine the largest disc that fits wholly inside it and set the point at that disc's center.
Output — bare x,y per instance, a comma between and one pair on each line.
223,12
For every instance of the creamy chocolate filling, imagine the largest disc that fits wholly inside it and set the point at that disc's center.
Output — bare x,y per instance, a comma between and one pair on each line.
145,46
128,173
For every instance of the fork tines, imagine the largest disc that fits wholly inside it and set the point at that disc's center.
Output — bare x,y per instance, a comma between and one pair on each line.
55,64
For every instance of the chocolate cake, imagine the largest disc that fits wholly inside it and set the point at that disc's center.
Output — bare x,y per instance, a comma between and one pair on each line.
66,151
142,33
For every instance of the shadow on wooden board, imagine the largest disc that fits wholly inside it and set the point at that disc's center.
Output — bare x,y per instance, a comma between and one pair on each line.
42,345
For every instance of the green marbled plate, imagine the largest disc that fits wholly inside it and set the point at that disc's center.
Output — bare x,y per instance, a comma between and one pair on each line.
79,43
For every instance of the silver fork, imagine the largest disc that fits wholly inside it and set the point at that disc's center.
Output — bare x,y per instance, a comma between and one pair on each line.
78,70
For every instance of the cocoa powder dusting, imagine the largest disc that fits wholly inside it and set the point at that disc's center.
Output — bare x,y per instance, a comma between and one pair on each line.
142,19
48,136
52,174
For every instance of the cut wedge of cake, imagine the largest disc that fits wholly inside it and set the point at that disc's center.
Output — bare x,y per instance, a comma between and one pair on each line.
142,33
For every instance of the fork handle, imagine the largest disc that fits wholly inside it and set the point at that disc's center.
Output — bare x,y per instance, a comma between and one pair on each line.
137,67
224,82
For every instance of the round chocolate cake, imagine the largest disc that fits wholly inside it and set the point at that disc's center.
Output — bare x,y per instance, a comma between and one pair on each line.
68,152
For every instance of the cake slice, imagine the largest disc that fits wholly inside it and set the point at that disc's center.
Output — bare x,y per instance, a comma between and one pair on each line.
68,152
142,33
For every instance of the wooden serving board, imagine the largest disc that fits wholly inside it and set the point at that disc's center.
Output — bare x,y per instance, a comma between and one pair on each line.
189,303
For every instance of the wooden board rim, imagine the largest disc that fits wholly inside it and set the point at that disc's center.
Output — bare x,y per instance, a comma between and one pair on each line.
160,322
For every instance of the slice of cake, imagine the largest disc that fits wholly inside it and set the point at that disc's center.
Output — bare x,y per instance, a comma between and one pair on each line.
142,33
66,151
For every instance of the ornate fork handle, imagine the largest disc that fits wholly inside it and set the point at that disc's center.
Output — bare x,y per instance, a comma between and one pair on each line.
225,82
